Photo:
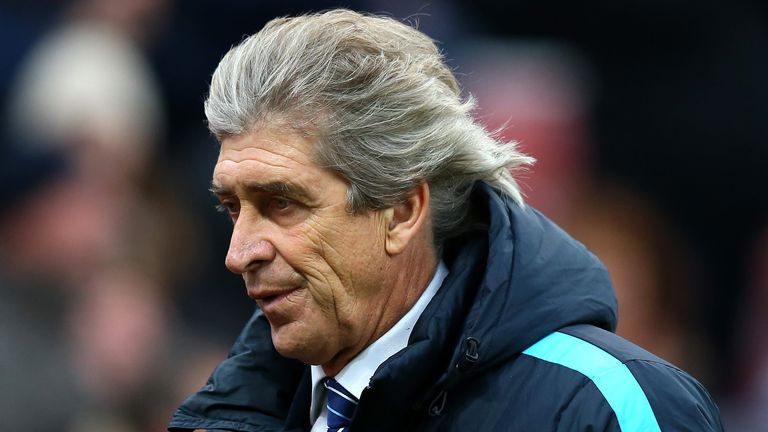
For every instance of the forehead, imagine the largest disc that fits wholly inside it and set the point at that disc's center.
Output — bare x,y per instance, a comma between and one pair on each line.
267,157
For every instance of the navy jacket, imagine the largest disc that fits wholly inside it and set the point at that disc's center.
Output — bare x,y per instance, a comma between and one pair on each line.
518,338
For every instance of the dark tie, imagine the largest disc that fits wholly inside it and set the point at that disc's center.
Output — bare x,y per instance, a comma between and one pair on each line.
341,406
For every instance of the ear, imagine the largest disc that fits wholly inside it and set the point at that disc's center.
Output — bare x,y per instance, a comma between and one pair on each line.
408,220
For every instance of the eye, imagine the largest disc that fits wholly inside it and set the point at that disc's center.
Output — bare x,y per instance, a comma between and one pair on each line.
230,207
280,203
285,211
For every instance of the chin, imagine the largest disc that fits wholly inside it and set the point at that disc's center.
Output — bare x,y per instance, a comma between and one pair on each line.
289,345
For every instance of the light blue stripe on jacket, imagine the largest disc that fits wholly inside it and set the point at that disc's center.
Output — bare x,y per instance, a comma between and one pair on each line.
614,380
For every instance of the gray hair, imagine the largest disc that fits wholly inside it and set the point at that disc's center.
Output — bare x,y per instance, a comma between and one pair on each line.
387,110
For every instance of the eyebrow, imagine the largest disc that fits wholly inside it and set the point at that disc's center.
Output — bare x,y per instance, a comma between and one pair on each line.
218,189
275,188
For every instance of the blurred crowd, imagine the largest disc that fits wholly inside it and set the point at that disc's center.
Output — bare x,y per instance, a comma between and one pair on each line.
648,124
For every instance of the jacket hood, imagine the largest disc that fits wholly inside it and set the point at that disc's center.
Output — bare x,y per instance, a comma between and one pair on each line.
511,283
537,279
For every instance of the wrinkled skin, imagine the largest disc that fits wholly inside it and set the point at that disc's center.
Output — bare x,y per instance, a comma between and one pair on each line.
322,275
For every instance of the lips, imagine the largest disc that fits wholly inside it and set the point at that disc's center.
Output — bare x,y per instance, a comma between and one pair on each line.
269,299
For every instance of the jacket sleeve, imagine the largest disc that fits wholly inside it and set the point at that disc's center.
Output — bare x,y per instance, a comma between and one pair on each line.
679,402
675,402
250,391
588,411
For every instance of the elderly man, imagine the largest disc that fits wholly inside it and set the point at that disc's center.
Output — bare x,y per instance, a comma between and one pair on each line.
401,282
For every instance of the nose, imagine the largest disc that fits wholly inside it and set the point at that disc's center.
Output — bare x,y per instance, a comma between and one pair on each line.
248,249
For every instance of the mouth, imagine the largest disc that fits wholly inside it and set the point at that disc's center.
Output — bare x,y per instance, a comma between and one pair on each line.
269,300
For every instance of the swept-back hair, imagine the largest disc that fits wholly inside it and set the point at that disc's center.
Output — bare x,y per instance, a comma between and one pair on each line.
386,110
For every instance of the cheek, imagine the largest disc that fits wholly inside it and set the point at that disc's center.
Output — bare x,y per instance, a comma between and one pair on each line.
357,257
316,248
304,251
340,258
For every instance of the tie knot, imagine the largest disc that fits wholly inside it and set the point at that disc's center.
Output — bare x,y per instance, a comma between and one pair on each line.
341,405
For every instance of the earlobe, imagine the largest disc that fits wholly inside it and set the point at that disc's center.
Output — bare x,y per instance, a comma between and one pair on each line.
407,220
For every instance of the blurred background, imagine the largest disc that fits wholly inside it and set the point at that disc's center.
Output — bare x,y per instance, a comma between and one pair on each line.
649,121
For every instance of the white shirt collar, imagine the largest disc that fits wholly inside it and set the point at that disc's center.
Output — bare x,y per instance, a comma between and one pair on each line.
358,372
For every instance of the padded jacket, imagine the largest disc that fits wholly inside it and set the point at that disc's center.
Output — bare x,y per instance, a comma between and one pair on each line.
518,338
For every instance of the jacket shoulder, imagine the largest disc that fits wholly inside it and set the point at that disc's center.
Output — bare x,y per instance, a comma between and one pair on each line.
644,392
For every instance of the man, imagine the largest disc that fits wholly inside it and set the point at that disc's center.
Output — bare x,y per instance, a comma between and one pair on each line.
402,283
